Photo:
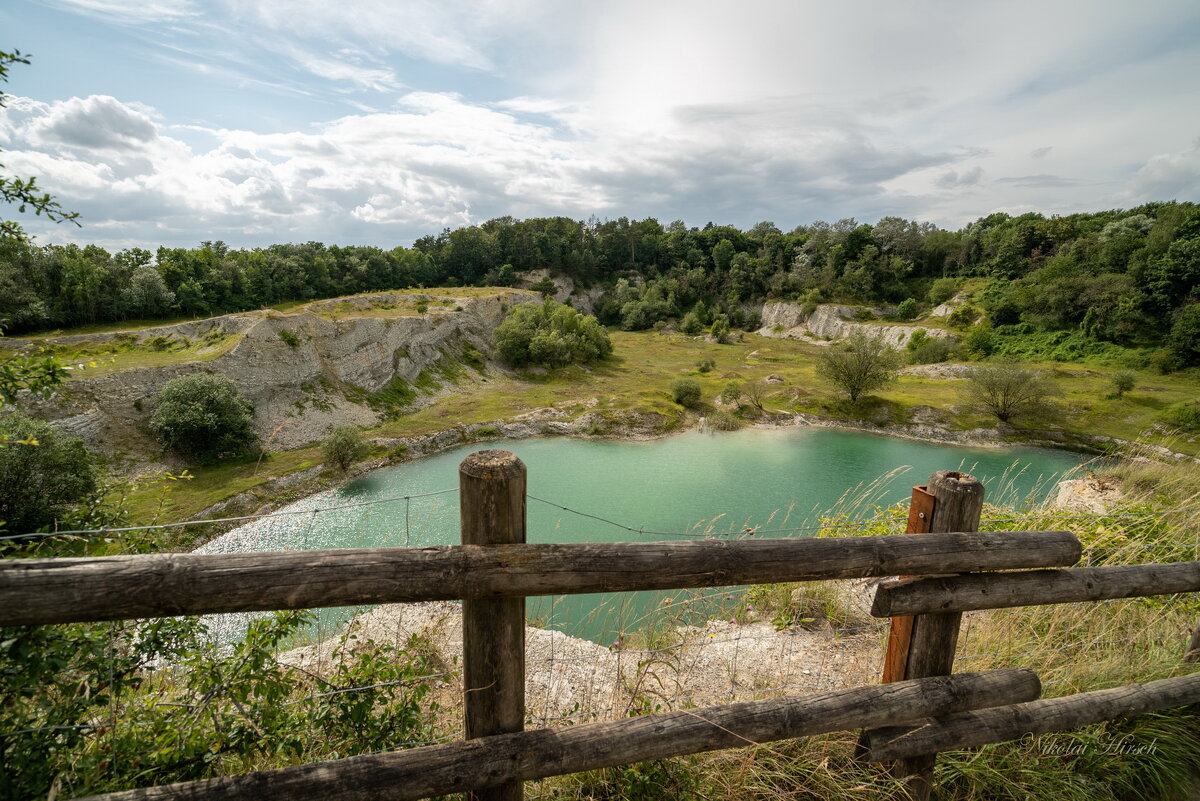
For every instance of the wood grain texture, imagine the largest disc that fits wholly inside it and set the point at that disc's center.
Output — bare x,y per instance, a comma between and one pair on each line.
492,761
958,504
1033,588
36,591
970,729
895,660
492,511
1192,652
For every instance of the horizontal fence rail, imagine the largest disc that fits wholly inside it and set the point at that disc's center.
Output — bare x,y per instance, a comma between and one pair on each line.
974,728
492,761
1032,588
38,591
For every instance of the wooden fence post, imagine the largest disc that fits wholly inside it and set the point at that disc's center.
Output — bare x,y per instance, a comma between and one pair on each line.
1192,652
920,514
957,506
492,507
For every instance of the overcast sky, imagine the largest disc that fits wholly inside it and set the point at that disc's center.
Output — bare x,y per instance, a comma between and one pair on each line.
378,121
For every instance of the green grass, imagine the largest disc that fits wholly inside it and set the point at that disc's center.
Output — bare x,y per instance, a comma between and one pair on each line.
108,328
638,376
152,502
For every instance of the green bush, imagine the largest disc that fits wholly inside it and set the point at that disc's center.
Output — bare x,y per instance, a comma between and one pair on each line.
924,349
1185,335
291,339
1164,361
733,393
723,420
706,365
720,328
942,290
980,341
545,286
550,334
685,392
907,309
344,446
203,417
43,474
1184,415
963,316
1122,381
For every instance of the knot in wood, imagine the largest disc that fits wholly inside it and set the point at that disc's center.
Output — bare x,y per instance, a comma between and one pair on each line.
492,464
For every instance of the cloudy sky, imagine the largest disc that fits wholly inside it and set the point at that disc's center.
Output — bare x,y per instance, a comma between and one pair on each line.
378,121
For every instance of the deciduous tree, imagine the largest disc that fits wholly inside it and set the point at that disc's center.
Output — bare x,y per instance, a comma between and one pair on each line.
860,364
1007,391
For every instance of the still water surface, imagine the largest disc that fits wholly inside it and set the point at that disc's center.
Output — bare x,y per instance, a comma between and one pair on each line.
690,485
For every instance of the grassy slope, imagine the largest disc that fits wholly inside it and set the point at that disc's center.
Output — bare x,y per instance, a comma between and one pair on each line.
638,377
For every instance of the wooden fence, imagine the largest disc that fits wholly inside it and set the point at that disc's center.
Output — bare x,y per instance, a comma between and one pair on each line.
494,570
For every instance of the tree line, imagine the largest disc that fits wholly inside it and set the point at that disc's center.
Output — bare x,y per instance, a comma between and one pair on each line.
1124,277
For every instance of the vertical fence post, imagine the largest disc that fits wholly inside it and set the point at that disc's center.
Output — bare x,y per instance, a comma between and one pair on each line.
1192,652
920,515
958,506
492,507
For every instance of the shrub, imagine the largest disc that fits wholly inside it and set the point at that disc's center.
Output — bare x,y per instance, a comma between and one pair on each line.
907,309
722,420
732,394
685,392
942,290
545,286
291,339
1122,381
344,446
1164,361
203,417
1184,415
691,324
860,364
705,365
720,328
924,349
980,341
963,316
1185,335
550,334
43,473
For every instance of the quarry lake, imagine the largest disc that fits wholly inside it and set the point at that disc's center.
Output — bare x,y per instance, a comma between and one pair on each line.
777,481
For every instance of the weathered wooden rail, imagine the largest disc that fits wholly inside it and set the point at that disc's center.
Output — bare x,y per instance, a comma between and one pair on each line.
76,590
505,759
494,570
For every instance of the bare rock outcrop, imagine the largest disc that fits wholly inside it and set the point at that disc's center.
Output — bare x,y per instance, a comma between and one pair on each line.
829,322
305,372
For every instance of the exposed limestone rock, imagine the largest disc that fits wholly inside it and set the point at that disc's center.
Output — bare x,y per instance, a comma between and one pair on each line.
782,315
831,322
1093,495
946,309
564,285
943,371
299,390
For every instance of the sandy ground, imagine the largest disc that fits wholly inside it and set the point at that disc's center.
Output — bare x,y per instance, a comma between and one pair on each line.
571,679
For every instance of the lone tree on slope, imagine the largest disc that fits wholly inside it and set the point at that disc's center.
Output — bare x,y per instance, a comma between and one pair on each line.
860,364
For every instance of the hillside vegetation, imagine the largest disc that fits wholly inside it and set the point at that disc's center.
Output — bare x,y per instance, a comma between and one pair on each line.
1118,284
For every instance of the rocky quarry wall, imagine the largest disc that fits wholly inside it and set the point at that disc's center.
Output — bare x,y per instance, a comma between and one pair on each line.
830,322
299,390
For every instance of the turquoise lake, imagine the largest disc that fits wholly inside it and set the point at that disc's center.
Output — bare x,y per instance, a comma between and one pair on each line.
776,481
